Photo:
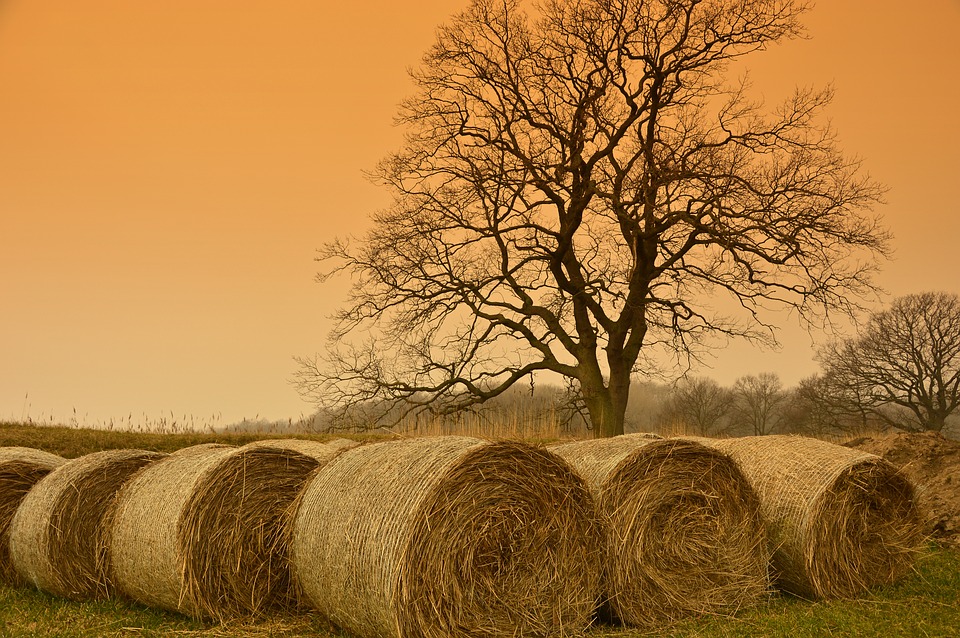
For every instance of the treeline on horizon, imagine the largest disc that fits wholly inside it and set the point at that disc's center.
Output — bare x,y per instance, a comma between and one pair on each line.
698,405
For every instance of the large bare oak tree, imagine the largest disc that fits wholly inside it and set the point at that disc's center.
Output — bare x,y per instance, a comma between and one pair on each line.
581,186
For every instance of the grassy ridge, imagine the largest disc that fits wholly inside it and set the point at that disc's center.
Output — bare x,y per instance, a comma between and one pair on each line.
927,603
74,442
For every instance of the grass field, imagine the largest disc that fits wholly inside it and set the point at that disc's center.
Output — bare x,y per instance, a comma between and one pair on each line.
926,603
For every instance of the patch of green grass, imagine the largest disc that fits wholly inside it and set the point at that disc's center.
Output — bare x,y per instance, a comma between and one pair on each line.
29,613
926,603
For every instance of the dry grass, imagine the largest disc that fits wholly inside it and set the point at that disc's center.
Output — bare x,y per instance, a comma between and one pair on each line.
683,529
20,469
448,537
841,521
57,538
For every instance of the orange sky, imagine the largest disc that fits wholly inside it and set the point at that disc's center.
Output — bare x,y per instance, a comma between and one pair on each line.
167,170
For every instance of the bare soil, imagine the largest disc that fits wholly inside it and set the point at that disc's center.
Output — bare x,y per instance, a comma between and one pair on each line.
932,462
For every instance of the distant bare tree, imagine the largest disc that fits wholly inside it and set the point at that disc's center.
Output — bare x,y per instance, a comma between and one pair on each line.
903,367
819,407
758,402
700,403
579,183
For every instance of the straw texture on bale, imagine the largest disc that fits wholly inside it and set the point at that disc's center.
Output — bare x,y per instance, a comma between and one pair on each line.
841,521
144,550
57,538
20,469
682,527
448,537
235,525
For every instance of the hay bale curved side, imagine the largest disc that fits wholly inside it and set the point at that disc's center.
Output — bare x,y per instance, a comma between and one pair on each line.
57,539
143,543
448,537
20,469
682,525
234,531
841,521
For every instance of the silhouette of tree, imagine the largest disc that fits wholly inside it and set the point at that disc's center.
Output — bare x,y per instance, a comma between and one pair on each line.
903,367
758,402
701,404
579,185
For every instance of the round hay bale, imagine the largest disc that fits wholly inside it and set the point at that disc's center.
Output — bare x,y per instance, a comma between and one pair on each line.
448,537
682,526
143,542
840,521
20,469
234,530
57,538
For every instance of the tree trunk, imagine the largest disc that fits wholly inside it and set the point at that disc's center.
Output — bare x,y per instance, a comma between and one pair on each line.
607,405
605,420
935,421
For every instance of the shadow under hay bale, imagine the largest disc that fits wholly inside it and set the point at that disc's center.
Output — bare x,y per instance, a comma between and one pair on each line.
682,526
57,538
841,521
20,469
202,531
448,537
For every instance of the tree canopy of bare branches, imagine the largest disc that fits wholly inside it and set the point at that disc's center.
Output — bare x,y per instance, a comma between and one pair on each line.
700,405
758,402
903,366
580,186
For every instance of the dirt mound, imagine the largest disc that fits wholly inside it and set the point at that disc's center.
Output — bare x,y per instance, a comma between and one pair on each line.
932,462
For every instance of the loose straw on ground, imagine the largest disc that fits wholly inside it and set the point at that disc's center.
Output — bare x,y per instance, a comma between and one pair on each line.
202,531
448,537
20,469
57,538
682,527
841,521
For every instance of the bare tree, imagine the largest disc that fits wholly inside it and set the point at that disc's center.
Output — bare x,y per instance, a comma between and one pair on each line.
580,182
903,367
758,402
701,404
820,407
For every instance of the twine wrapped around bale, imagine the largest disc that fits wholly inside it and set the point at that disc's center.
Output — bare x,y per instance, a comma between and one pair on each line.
57,538
444,537
202,531
143,543
235,526
20,469
841,521
682,526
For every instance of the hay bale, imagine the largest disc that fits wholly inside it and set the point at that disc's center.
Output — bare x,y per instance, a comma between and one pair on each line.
57,538
682,527
448,537
20,469
144,551
840,520
234,532
203,531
